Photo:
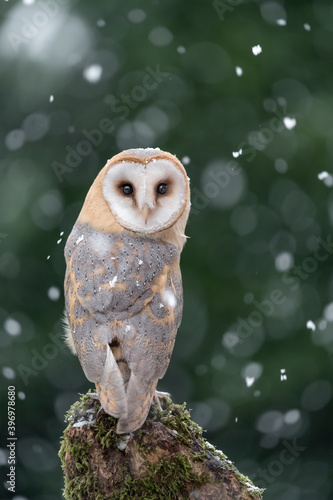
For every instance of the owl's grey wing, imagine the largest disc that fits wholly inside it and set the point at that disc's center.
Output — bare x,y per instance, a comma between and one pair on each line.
88,315
149,344
124,304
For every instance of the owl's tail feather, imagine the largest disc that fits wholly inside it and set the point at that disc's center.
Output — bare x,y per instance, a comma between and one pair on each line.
110,388
140,395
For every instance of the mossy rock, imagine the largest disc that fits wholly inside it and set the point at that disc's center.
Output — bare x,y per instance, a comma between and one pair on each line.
167,458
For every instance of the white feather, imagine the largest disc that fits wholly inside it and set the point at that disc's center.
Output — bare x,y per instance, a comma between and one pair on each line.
69,341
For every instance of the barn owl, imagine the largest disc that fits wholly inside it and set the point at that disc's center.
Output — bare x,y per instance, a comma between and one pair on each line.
123,287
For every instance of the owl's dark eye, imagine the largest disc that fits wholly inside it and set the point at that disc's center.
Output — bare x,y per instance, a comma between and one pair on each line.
127,189
162,188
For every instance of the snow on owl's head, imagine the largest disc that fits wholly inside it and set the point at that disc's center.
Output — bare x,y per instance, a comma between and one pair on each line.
147,191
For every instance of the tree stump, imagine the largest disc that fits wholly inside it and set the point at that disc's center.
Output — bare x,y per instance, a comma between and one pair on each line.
166,459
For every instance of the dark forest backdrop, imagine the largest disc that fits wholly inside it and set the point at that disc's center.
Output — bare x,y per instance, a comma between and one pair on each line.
241,91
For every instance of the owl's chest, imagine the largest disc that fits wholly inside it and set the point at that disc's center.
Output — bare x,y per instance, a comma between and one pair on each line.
118,272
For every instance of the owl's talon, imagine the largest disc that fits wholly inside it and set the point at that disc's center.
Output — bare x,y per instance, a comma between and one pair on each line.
159,395
100,412
93,395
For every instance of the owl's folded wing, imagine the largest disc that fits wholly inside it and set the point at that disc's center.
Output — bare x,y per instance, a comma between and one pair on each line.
124,287
129,297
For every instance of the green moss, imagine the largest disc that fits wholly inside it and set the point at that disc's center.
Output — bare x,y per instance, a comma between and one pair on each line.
200,457
79,481
80,408
106,432
177,418
166,479
80,454
244,481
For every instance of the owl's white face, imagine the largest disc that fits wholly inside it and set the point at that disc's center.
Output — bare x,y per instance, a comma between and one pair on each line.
145,198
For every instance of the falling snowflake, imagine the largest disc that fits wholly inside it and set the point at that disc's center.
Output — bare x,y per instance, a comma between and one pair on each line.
256,49
323,175
310,325
236,154
289,123
170,298
80,238
113,282
249,381
281,22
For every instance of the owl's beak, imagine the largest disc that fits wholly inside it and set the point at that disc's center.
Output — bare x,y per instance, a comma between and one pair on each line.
145,212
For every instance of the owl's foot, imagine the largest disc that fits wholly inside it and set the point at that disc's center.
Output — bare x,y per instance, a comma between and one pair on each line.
159,395
93,395
100,412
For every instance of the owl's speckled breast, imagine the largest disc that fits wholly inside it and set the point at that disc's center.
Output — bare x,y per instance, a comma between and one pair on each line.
121,262
116,276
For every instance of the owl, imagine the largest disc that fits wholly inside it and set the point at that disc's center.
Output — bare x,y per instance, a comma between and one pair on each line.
123,286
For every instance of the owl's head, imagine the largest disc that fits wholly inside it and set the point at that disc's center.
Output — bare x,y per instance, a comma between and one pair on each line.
147,190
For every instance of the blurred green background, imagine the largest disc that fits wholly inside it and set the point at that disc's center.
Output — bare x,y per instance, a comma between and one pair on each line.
253,356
